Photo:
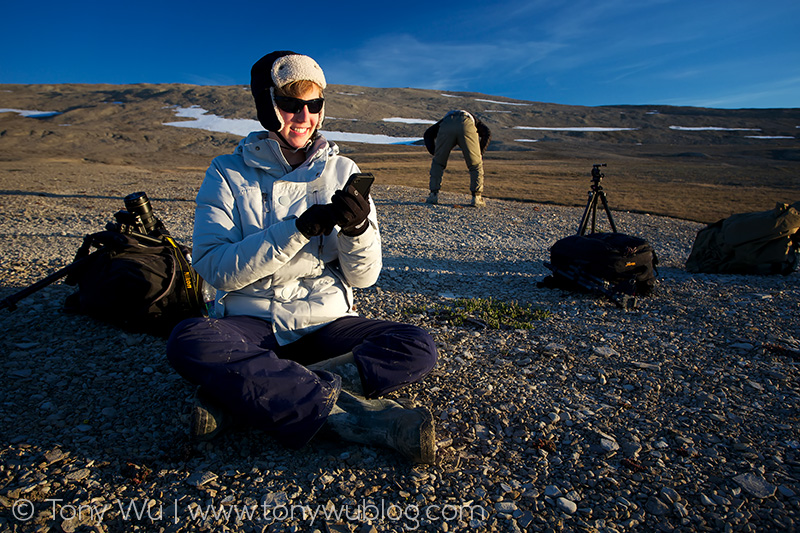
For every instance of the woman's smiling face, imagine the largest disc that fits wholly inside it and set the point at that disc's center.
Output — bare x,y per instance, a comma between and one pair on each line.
298,127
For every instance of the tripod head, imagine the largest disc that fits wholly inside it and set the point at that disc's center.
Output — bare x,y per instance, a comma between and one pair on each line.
597,175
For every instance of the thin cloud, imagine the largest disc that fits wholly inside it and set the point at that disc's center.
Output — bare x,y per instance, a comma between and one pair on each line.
405,61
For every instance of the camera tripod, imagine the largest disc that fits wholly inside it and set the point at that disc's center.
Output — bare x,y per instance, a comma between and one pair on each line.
596,192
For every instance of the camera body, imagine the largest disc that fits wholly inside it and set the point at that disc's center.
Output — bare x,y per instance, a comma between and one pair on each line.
596,174
138,217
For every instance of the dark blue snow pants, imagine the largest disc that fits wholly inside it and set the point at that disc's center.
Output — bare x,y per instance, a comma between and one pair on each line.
238,363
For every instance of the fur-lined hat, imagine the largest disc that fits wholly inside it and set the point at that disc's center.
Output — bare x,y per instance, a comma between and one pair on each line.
276,70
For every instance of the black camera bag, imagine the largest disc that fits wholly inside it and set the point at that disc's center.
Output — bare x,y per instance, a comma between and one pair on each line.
140,283
626,262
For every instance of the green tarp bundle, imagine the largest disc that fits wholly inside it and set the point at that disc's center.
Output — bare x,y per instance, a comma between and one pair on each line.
764,242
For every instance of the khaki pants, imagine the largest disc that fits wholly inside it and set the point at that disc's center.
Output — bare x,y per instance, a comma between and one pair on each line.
458,129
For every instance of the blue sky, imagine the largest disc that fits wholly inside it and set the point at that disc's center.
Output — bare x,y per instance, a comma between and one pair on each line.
710,53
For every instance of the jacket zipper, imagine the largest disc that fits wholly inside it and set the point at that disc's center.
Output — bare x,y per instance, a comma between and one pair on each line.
321,237
265,200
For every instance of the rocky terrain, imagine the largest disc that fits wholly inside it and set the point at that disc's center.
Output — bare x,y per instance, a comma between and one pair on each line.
678,415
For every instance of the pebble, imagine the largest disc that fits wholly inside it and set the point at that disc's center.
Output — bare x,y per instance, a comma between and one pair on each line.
755,485
656,507
567,506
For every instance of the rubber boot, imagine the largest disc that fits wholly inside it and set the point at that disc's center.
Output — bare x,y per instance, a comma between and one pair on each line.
385,423
345,367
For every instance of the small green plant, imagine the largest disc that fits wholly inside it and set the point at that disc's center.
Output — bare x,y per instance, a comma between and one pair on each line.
485,312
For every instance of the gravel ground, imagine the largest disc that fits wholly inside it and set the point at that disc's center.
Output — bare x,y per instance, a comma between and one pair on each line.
679,415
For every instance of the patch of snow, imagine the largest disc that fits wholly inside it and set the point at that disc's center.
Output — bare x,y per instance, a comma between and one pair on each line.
31,114
496,102
410,120
710,128
589,128
242,127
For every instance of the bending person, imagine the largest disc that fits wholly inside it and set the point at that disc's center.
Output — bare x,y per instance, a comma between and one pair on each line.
458,127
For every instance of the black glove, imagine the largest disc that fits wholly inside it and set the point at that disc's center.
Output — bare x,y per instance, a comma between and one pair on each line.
316,220
350,210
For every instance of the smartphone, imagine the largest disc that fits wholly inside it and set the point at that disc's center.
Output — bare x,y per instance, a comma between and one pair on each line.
361,181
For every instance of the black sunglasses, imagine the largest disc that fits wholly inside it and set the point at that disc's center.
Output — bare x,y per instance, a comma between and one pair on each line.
295,105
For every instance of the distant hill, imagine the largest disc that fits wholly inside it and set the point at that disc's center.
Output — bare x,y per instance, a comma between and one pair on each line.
537,148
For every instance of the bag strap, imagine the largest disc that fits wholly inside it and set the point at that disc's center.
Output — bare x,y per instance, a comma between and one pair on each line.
189,283
168,289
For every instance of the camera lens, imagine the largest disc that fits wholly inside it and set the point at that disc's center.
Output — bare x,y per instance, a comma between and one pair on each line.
138,204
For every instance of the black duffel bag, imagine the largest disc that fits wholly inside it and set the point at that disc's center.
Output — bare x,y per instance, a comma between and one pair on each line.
620,263
137,282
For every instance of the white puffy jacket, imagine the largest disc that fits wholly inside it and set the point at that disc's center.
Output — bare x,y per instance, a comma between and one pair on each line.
246,243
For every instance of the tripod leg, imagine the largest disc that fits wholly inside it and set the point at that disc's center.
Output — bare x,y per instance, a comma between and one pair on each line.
11,301
608,211
591,209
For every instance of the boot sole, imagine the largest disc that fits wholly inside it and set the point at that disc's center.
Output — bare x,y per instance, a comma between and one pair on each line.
427,438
